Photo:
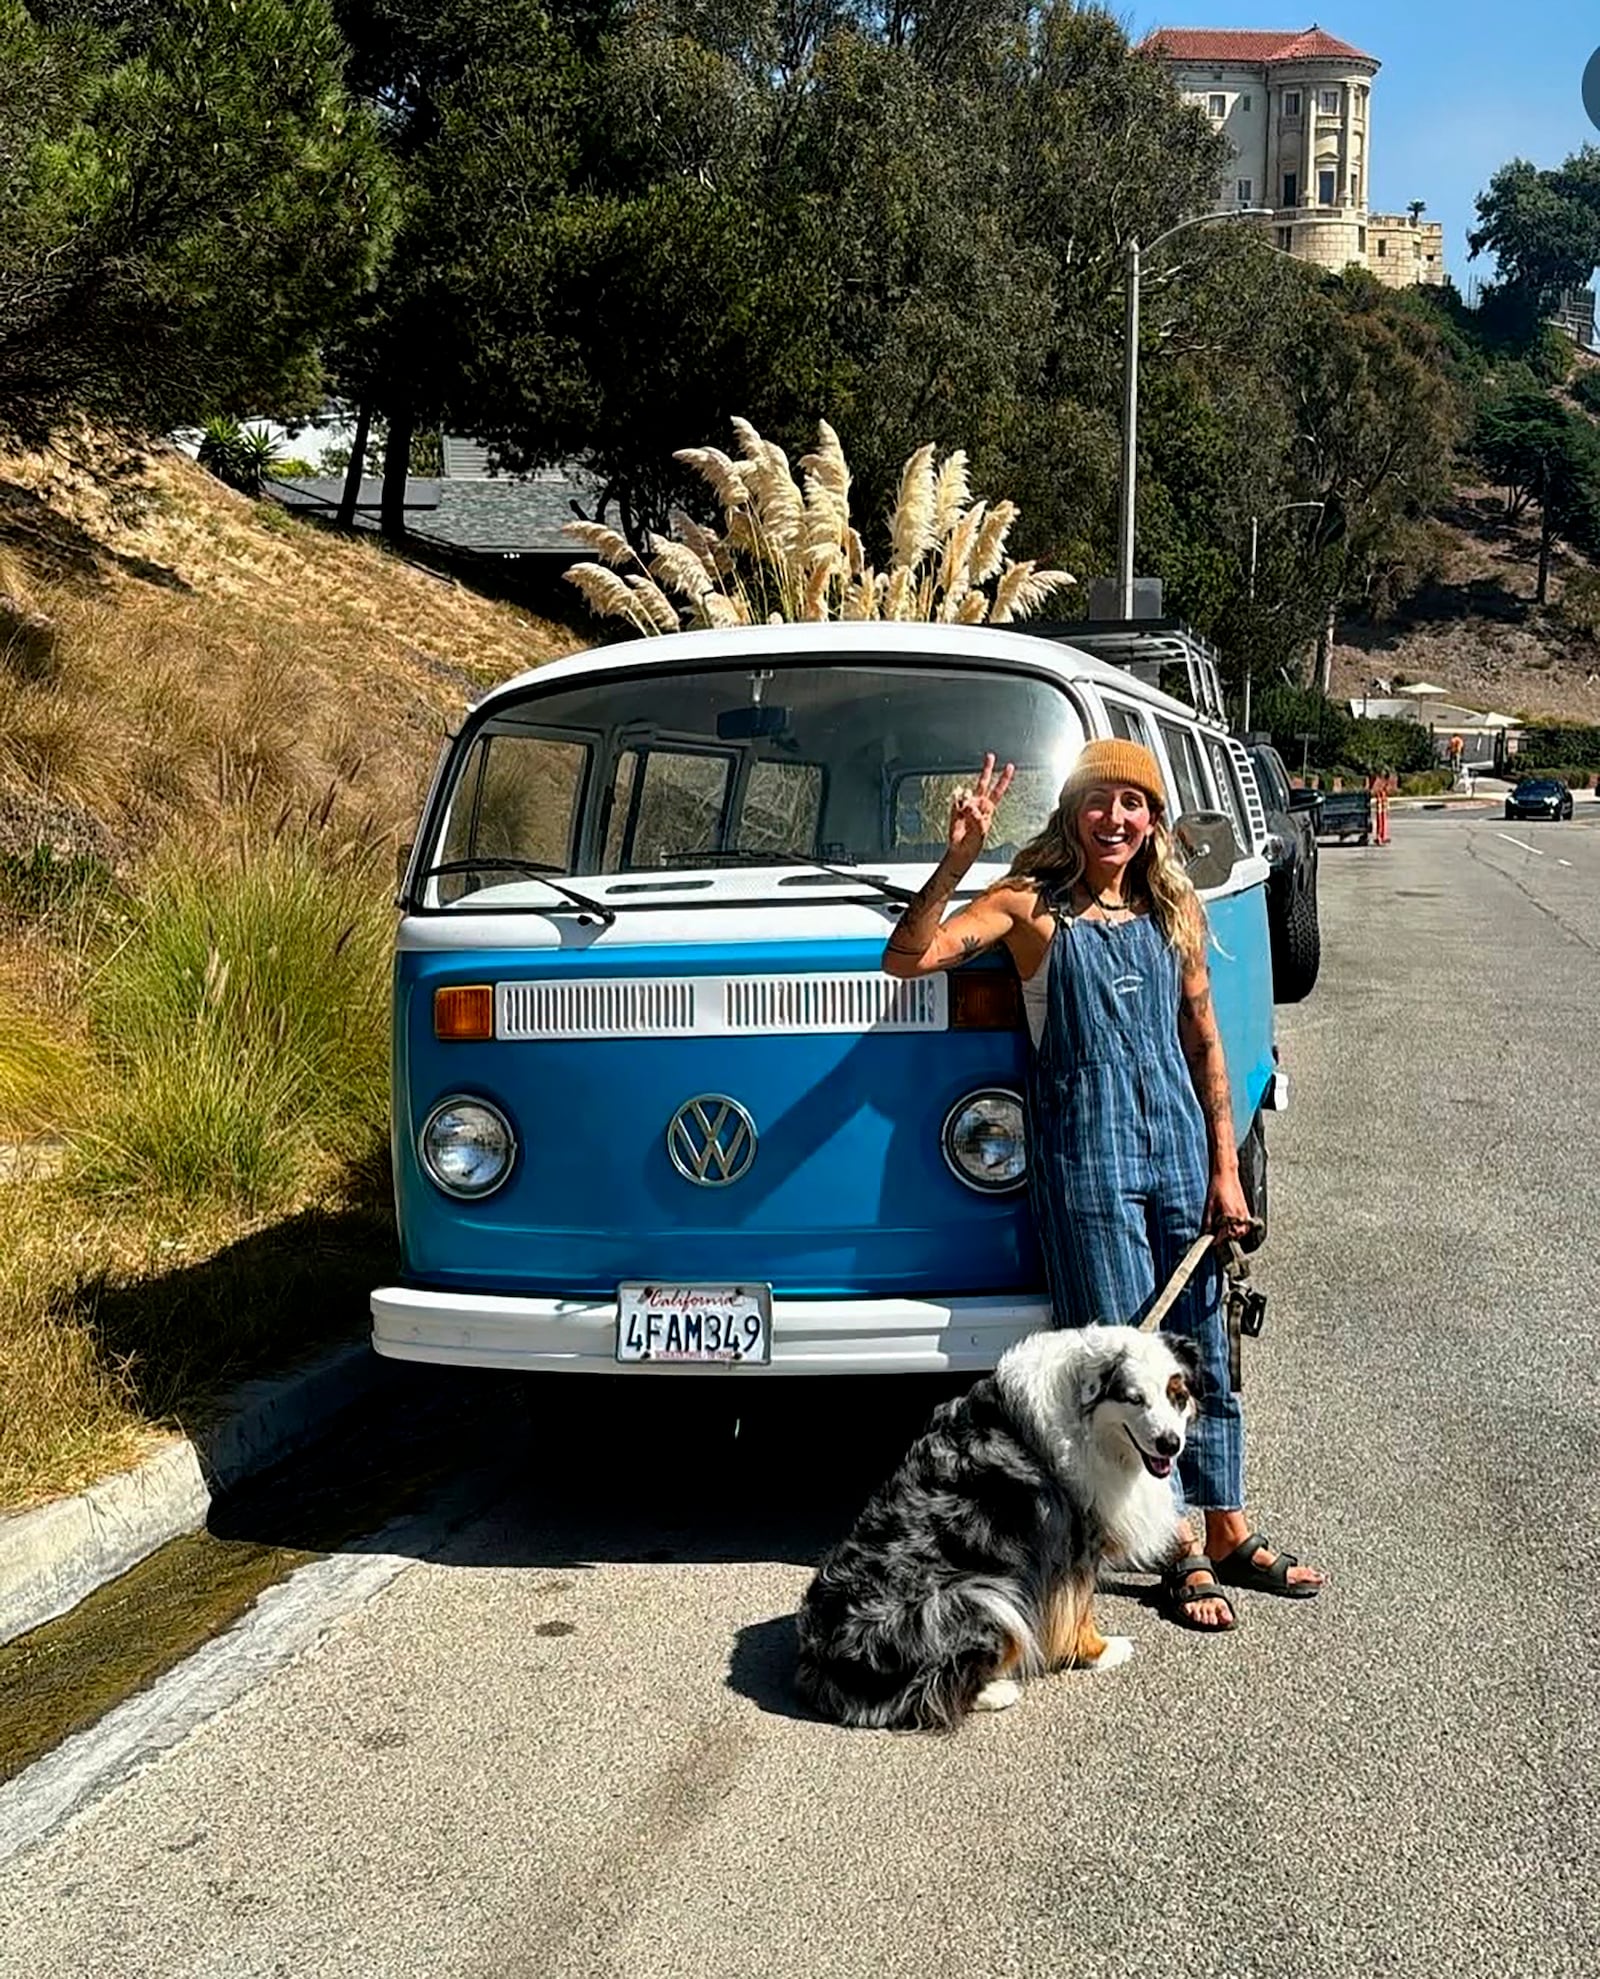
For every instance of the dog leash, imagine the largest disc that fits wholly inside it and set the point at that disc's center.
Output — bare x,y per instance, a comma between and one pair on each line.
1245,1309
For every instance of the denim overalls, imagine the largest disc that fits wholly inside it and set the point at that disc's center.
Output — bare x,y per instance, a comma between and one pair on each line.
1119,1166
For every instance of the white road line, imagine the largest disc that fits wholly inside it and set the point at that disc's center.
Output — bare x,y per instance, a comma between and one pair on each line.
1534,849
1563,862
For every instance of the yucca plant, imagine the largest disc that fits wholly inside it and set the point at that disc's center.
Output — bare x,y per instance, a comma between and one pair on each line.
242,456
788,550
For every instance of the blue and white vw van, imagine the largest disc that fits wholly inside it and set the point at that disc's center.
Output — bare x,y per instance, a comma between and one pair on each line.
656,1107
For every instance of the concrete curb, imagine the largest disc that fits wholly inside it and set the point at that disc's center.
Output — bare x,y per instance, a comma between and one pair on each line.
53,1556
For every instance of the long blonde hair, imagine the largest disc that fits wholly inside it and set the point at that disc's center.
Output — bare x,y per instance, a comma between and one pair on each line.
1055,862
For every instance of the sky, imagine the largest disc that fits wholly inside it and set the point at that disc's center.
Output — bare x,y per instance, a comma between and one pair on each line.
1463,87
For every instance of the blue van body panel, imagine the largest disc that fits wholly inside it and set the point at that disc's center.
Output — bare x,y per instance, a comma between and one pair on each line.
1241,979
849,1195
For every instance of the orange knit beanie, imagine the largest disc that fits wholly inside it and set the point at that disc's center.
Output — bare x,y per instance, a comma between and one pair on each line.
1114,761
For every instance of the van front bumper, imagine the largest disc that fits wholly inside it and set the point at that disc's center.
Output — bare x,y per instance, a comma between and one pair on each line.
809,1336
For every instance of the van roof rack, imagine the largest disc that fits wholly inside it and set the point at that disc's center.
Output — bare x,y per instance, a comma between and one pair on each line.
1152,650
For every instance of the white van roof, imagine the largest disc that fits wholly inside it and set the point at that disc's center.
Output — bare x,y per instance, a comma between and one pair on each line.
1048,656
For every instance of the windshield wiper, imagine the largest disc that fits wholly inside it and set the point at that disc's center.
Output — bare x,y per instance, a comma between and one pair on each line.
536,869
750,855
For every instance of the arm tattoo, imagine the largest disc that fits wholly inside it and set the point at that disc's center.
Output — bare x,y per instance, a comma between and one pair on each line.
1202,1051
919,924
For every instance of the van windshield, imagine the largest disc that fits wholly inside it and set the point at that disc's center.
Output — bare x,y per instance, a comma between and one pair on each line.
747,765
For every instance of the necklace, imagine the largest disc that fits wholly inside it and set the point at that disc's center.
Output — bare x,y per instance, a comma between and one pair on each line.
1108,906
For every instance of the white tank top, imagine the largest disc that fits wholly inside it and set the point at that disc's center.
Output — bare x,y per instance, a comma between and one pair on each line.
1036,999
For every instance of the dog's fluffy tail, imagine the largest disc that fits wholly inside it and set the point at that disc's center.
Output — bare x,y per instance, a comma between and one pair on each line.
919,1670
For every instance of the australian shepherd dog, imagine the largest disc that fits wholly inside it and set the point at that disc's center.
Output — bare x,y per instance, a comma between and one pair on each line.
974,1567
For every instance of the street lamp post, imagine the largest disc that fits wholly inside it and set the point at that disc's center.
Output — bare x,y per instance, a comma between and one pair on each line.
1134,255
1255,537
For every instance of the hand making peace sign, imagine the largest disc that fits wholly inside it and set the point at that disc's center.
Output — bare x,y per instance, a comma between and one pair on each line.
972,811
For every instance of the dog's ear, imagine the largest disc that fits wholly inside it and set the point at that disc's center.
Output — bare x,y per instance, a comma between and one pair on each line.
1187,1354
1103,1378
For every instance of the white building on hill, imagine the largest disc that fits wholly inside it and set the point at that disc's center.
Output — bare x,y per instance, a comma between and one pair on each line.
1296,108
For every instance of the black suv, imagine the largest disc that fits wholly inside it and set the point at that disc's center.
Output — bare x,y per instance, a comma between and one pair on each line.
1292,891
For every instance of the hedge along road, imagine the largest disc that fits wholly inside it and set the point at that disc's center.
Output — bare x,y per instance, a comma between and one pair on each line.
555,1739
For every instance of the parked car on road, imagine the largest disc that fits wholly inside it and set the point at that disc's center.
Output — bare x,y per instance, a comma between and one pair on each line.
1292,891
1345,814
1539,797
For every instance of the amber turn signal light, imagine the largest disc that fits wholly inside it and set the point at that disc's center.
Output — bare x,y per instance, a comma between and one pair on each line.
464,1011
985,1000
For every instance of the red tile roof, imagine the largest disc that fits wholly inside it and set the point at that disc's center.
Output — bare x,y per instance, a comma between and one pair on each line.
1264,45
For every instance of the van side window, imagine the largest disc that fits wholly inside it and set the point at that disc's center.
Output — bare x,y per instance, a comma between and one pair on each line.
1226,778
1128,723
517,799
1191,793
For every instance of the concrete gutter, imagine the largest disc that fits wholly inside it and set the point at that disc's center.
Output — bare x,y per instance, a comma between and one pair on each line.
55,1554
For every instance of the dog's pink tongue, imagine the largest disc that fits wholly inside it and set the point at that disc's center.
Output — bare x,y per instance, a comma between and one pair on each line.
1158,1466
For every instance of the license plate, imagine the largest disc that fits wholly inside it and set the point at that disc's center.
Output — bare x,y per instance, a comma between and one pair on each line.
687,1324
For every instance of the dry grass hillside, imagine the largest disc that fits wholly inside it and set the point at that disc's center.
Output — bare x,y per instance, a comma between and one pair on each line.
214,722
1473,628
168,646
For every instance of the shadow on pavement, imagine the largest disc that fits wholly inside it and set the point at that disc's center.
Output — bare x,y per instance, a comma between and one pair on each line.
572,1470
761,1668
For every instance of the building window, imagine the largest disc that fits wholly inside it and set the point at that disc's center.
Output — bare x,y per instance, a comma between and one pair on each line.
1244,192
1361,239
1217,105
1291,189
1355,188
1286,239
1291,103
1244,104
1329,102
1383,250
1327,188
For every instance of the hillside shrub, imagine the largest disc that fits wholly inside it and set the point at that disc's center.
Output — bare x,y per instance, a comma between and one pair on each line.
242,1023
1550,747
1580,602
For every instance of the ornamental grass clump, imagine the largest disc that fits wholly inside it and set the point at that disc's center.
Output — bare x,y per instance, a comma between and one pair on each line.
788,551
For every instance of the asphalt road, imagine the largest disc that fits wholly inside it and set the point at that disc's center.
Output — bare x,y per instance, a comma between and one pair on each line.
542,1729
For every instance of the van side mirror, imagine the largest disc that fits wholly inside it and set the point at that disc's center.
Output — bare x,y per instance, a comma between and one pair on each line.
1207,847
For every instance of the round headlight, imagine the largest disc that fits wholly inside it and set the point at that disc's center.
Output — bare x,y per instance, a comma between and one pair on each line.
467,1147
985,1141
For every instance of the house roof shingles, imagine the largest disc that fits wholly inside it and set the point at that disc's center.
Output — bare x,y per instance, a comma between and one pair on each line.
1265,46
489,515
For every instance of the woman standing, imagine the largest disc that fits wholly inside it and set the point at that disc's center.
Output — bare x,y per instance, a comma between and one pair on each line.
1132,1127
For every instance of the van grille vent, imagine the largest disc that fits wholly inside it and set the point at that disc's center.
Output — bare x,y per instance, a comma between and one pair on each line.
848,1002
658,1009
767,1005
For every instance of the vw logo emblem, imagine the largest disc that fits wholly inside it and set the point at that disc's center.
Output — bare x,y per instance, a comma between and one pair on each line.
712,1141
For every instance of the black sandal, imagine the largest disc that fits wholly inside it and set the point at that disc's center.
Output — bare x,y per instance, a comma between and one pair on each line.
1239,1569
1178,1600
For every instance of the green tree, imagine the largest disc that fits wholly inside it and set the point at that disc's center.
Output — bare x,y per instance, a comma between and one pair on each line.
477,103
1541,452
1542,226
188,200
